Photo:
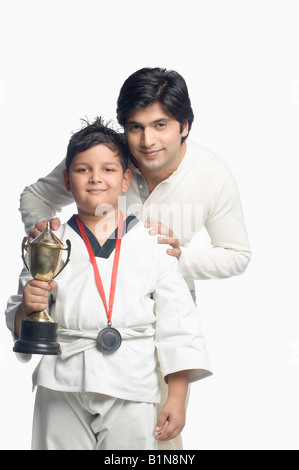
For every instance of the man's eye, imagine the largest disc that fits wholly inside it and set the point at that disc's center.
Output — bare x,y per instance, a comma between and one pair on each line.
134,128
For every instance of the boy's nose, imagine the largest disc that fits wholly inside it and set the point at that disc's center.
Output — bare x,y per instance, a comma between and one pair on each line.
95,177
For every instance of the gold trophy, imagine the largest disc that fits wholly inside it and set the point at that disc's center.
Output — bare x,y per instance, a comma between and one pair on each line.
38,330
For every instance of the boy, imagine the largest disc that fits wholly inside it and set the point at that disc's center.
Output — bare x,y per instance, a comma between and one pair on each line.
102,394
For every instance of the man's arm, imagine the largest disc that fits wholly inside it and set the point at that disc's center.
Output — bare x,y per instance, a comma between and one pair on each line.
230,253
43,199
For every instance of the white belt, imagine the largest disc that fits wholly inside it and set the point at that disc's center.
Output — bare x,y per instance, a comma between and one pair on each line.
75,341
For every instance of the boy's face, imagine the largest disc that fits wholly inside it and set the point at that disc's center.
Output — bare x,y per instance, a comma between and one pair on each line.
154,138
96,178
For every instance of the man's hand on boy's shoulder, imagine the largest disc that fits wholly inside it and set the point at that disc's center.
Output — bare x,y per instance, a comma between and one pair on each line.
41,226
168,237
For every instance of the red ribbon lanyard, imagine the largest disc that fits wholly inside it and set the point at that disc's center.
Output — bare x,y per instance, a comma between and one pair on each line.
96,269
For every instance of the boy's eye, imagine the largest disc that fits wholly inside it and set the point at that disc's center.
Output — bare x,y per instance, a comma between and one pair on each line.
83,170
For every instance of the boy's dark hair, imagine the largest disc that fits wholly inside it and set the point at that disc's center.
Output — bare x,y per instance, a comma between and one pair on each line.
98,132
155,85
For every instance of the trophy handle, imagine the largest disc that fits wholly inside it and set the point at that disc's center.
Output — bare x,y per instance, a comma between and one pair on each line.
23,247
68,257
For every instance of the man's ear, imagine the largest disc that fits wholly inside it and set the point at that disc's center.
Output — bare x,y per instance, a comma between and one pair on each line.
126,180
66,180
185,130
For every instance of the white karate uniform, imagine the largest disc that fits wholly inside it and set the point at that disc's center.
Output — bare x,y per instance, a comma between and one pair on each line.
153,310
91,421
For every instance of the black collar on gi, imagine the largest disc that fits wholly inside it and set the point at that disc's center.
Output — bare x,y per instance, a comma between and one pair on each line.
109,246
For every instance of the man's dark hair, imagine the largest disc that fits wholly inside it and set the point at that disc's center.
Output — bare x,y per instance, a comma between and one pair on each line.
93,134
155,85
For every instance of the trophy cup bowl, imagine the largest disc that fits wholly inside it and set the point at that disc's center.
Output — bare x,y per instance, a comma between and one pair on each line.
38,330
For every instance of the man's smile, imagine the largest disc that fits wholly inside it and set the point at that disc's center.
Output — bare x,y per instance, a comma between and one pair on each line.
151,153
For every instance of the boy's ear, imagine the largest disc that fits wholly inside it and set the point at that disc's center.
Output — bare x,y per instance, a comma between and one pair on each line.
126,180
66,180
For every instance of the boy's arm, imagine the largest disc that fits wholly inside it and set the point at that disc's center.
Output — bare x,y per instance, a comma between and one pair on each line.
34,300
19,316
179,338
174,411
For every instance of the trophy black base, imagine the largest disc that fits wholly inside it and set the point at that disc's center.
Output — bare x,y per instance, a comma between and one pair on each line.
37,338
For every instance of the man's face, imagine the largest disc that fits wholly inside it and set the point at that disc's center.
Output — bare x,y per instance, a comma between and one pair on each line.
154,139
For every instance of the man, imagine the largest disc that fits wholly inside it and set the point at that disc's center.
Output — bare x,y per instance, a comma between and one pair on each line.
176,183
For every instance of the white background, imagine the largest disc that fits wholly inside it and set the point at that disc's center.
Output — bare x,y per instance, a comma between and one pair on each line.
62,60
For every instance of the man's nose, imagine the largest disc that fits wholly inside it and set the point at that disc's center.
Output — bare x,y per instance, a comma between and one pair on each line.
148,137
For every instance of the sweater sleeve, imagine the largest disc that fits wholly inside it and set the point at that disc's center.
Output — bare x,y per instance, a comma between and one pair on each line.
43,199
179,339
230,252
